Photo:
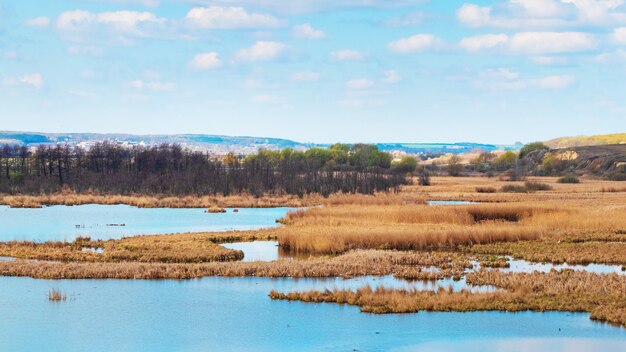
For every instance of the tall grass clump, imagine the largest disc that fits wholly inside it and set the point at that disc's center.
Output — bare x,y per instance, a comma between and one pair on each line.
571,178
56,295
527,187
536,186
514,189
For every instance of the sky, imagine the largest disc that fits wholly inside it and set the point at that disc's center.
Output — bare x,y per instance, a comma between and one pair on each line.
316,71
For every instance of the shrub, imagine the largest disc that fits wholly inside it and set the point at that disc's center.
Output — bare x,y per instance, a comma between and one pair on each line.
514,189
535,186
486,190
531,147
424,179
569,179
454,166
406,164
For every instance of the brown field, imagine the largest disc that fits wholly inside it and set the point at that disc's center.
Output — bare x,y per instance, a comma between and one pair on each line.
604,296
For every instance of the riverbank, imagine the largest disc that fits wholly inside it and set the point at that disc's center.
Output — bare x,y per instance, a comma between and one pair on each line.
162,201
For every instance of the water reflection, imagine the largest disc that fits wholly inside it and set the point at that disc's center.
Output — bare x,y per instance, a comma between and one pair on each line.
523,266
236,314
65,223
449,202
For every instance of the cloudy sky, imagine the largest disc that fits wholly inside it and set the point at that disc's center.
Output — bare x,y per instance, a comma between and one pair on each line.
321,71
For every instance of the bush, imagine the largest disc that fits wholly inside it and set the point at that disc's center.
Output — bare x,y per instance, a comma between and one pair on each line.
569,179
535,186
406,164
424,179
531,147
454,166
526,188
514,189
486,190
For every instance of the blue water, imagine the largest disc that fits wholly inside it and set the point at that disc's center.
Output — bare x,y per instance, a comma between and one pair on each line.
450,202
59,223
235,314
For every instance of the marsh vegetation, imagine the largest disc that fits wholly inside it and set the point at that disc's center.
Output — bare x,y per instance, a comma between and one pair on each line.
397,234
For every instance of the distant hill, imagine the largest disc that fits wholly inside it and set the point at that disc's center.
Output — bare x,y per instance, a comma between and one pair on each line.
581,141
210,143
225,144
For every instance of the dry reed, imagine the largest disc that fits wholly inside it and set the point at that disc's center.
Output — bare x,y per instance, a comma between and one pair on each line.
56,295
604,296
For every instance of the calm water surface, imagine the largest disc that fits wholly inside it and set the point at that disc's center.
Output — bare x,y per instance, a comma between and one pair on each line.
59,223
235,314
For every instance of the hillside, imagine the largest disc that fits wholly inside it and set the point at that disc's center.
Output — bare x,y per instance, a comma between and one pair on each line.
224,144
210,143
579,141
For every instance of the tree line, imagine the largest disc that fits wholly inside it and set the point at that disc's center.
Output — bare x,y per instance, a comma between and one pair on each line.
170,169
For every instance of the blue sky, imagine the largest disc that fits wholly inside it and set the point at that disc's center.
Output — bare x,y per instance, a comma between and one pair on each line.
320,71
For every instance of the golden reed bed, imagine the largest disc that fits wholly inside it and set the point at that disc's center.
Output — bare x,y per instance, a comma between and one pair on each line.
604,296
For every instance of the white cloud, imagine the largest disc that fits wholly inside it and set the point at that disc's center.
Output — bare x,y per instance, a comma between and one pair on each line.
75,20
544,14
608,57
34,80
507,79
305,76
532,43
359,83
38,22
217,17
483,42
347,55
308,6
153,86
416,43
127,21
205,61
539,8
261,51
81,26
474,15
551,42
619,35
556,82
306,31
391,76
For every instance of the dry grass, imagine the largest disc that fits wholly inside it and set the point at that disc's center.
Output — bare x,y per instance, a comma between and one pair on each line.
604,296
464,188
572,213
141,201
406,227
357,263
56,295
176,248
563,252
